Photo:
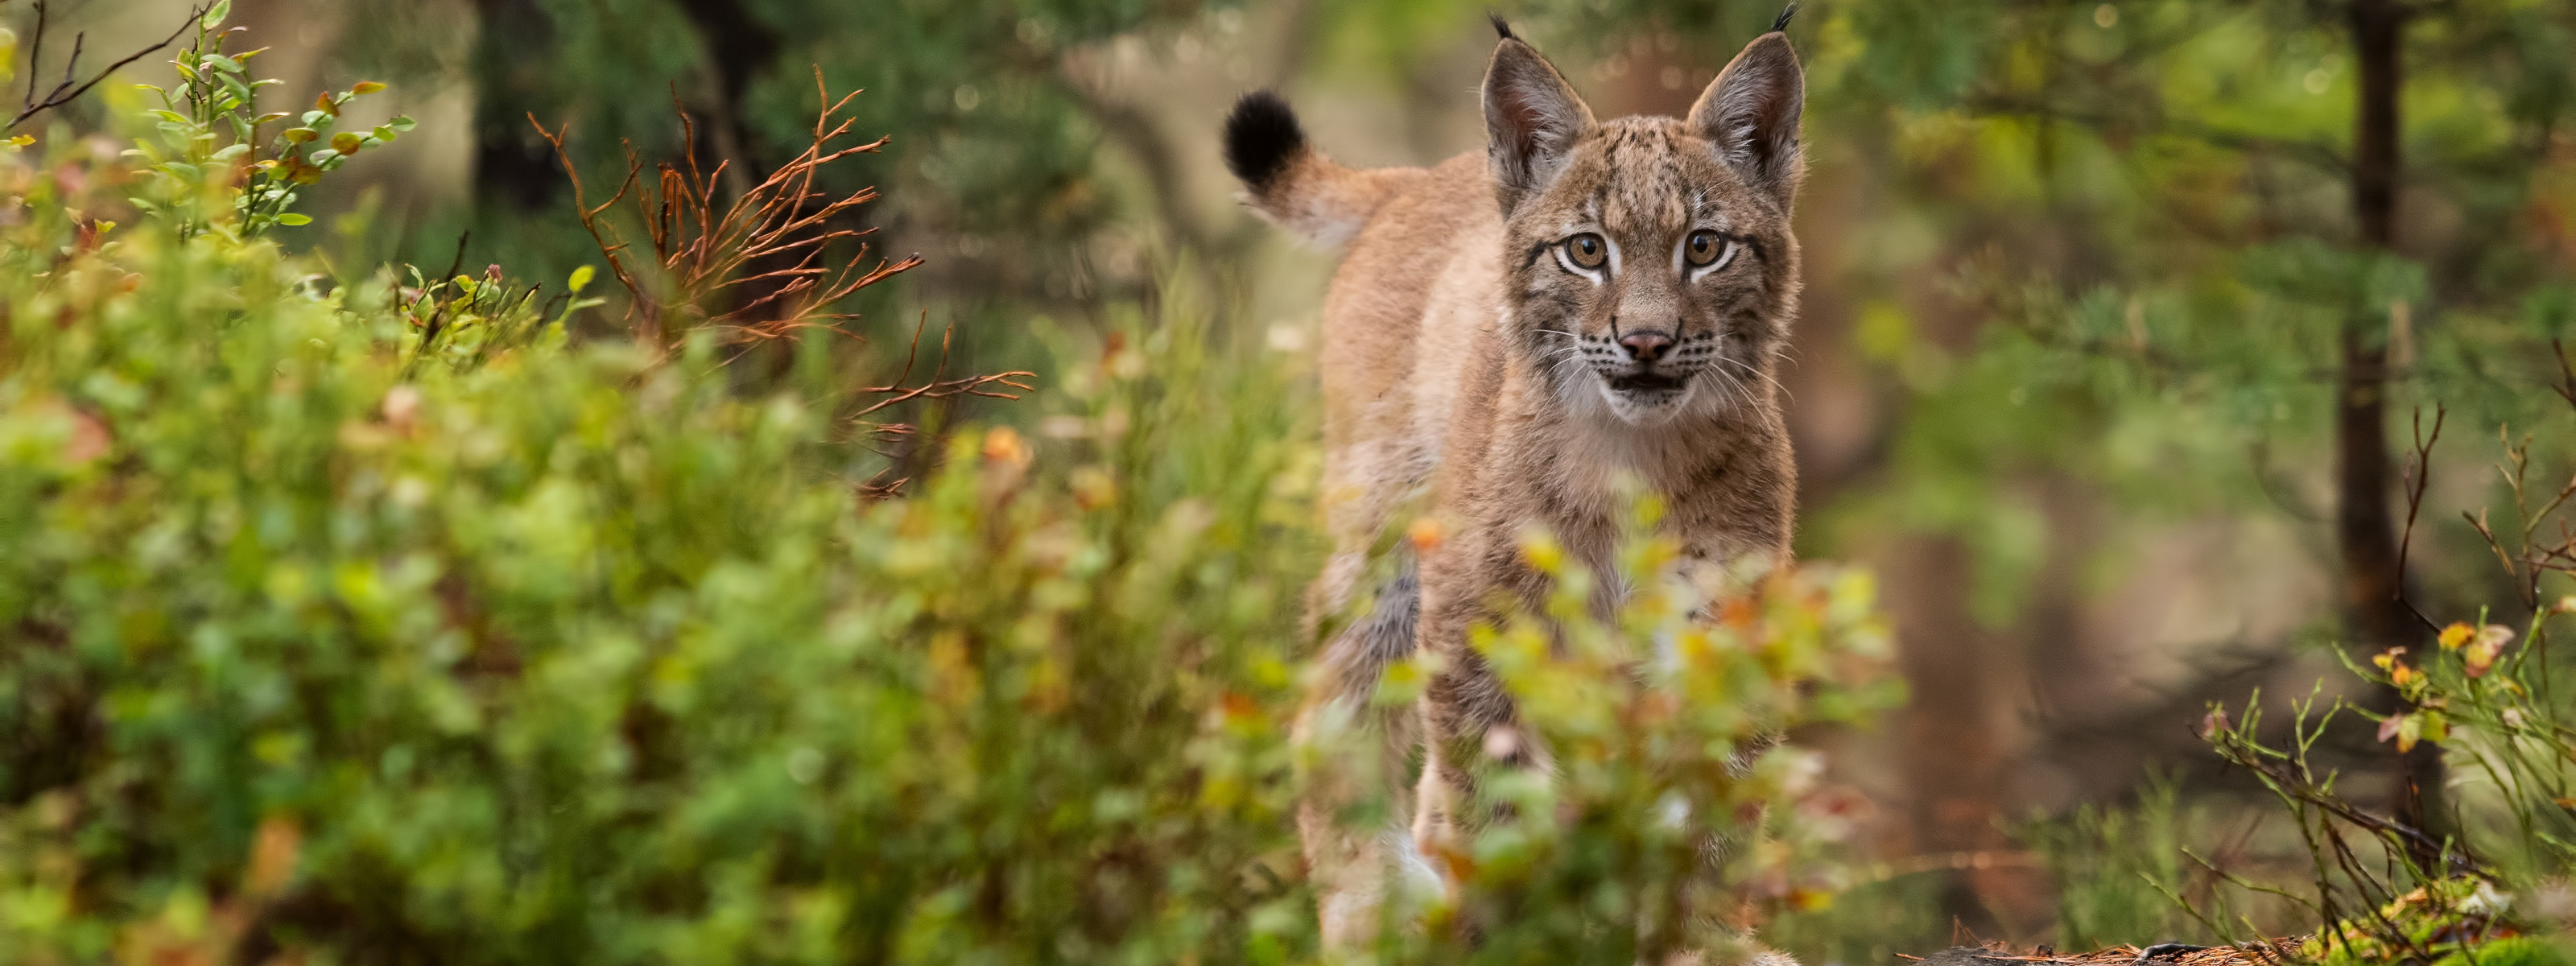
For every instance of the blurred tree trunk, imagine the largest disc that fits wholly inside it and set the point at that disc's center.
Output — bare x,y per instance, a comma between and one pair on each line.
738,47
513,167
2365,529
1952,754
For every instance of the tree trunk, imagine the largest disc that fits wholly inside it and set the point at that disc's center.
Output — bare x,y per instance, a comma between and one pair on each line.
514,169
1953,755
2365,528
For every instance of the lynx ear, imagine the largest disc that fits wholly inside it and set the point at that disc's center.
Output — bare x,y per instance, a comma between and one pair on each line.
1532,119
1750,112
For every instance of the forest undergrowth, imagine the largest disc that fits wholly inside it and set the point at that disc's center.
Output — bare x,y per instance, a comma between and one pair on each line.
374,614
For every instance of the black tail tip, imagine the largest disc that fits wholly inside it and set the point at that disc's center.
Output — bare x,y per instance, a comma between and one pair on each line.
1261,138
1501,26
1785,13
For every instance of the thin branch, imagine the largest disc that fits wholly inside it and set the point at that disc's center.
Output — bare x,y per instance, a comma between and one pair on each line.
941,388
65,92
35,56
2417,476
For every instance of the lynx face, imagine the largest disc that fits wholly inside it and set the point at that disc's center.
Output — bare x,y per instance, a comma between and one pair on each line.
1648,259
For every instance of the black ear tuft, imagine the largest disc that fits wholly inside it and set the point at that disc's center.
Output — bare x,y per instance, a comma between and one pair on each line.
1785,13
1261,138
1501,26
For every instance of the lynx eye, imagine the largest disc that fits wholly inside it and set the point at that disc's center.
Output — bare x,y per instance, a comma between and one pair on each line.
1587,250
1703,247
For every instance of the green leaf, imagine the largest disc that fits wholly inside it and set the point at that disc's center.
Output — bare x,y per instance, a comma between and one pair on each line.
345,142
401,122
298,135
580,279
173,117
384,132
215,14
291,218
232,151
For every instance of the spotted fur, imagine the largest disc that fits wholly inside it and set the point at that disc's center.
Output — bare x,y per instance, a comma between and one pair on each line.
1474,367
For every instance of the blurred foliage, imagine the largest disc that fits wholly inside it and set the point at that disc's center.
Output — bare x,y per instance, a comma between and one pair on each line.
2145,209
208,121
1671,819
572,652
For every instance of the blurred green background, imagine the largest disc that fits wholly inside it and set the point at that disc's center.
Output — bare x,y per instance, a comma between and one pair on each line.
2084,283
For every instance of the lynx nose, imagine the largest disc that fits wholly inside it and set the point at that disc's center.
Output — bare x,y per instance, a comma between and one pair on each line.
1646,346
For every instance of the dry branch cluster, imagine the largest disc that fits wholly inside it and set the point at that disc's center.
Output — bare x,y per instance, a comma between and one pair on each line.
711,258
759,266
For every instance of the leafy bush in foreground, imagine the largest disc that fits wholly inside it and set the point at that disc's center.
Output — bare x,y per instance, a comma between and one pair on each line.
578,656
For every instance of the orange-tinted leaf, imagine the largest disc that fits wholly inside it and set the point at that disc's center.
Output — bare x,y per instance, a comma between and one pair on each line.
1425,534
2456,635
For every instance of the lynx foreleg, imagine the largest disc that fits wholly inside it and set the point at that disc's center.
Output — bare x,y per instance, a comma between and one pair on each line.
1359,752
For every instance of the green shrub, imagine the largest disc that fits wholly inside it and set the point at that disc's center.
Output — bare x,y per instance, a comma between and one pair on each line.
578,655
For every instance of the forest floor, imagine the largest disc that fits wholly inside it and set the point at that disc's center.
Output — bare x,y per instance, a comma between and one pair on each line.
2000,955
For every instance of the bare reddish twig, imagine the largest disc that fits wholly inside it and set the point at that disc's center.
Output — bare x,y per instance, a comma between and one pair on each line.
754,267
711,256
940,387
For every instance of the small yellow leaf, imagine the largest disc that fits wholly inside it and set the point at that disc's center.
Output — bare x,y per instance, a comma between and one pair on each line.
1543,553
2456,635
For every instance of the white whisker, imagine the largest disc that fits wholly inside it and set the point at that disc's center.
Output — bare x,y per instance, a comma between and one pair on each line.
1757,373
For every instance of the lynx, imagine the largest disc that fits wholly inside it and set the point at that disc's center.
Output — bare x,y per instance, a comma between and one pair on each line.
1504,338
